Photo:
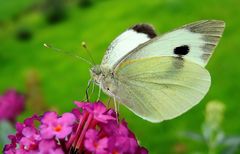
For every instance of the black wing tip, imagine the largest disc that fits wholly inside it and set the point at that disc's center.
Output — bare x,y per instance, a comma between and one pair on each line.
146,29
216,21
205,24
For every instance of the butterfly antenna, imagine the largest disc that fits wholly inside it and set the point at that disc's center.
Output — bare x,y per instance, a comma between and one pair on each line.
67,53
84,45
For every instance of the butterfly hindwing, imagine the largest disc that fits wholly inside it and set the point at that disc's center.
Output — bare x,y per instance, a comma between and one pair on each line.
195,42
126,42
157,89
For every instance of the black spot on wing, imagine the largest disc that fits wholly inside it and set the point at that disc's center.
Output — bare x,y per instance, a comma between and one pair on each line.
181,50
146,29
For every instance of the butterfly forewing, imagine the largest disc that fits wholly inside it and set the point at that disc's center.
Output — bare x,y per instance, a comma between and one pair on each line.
161,88
195,42
126,42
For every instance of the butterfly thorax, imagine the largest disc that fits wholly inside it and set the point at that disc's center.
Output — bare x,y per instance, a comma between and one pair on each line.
104,78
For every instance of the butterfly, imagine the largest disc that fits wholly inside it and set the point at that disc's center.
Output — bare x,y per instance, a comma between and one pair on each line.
159,77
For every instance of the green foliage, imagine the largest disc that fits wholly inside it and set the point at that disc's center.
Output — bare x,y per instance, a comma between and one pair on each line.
64,79
213,135
84,3
5,128
54,11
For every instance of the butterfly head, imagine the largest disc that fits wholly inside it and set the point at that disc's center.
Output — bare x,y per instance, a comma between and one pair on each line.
96,73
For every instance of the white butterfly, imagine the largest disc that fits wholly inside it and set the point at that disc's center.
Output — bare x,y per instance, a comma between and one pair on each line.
159,77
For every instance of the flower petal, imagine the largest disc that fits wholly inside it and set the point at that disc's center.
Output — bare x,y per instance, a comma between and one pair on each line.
49,117
67,119
66,130
46,132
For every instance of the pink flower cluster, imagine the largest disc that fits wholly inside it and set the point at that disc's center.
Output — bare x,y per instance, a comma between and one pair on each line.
90,128
11,105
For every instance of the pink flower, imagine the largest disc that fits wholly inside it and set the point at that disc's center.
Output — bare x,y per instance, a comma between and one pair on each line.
98,110
142,150
94,144
49,147
52,125
26,138
30,138
90,128
121,144
11,105
10,148
103,133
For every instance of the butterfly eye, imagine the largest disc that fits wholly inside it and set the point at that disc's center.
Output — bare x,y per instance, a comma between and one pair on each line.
96,70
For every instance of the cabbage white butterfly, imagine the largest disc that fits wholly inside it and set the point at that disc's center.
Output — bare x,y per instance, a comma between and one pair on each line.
159,77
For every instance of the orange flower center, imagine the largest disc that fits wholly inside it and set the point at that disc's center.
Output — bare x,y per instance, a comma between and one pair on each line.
115,152
95,144
58,128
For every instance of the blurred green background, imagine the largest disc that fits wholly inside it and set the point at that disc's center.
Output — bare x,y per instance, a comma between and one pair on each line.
59,79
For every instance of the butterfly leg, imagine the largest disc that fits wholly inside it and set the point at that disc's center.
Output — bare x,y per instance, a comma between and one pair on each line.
89,84
99,94
93,88
116,108
108,102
